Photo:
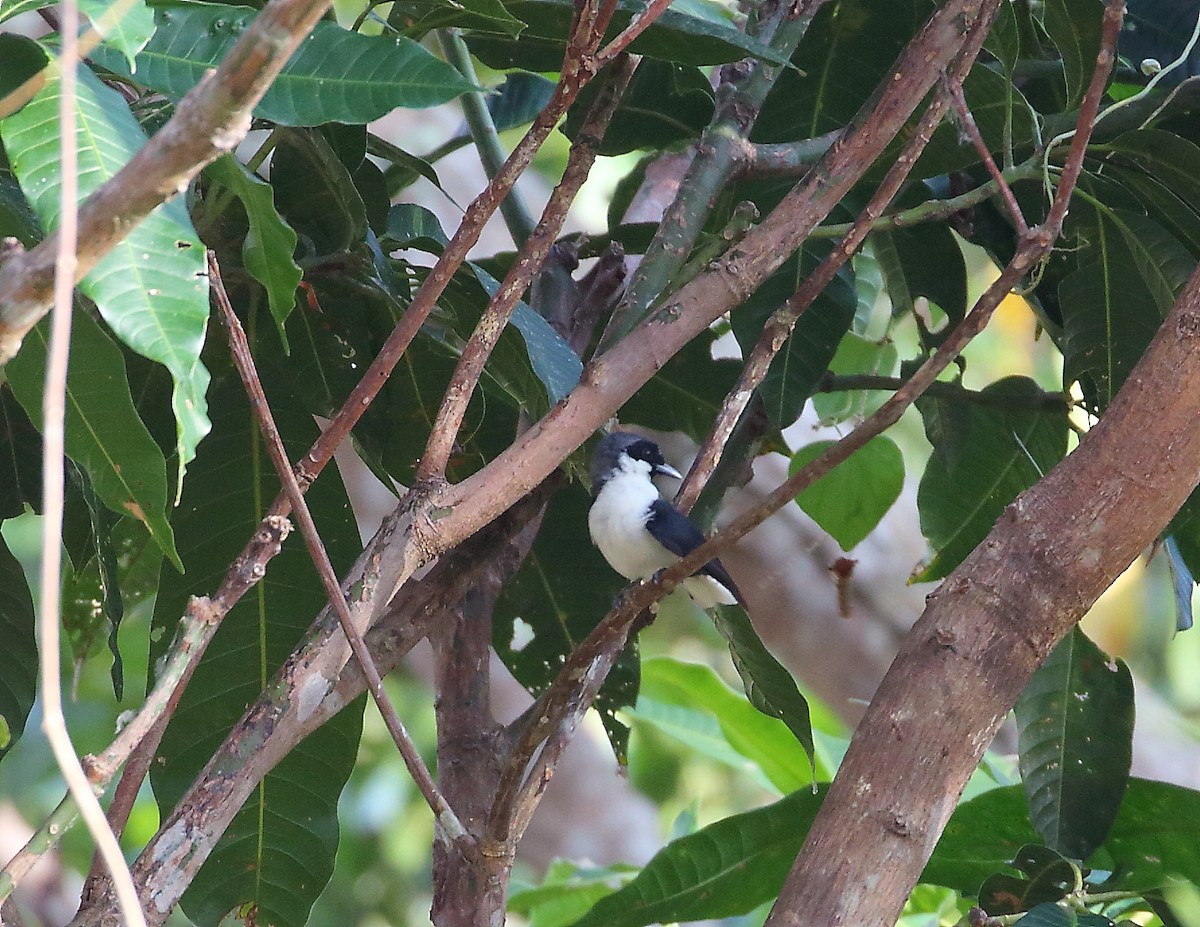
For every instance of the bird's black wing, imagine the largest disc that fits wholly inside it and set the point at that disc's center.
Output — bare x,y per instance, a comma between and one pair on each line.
675,531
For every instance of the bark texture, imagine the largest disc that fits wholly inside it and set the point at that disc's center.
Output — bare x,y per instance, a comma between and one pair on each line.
989,626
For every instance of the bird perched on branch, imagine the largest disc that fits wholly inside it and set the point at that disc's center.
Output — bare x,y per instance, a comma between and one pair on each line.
637,530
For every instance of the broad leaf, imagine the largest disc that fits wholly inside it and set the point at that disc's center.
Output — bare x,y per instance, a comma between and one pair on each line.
415,18
924,260
1074,27
104,434
803,359
856,355
677,36
984,455
20,458
152,288
767,683
18,682
1048,877
1049,914
270,242
563,588
125,26
336,76
1075,720
723,870
315,192
279,851
849,501
22,61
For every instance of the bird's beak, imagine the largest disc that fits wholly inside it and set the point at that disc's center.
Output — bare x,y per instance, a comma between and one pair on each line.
668,470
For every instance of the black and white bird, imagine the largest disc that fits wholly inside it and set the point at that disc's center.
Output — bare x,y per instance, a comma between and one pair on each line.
638,531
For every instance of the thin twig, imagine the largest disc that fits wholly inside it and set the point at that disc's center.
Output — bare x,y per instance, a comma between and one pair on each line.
641,21
244,361
779,327
54,724
533,254
967,121
952,392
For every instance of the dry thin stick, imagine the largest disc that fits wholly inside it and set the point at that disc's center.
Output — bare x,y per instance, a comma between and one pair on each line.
54,724
639,24
530,260
967,119
240,348
781,323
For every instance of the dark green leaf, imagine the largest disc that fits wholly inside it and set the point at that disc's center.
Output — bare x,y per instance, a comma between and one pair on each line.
1004,39
1048,878
1129,271
723,870
1049,914
18,682
21,59
417,17
686,394
675,36
518,100
270,242
1074,27
152,288
804,358
279,851
767,684
336,76
104,434
849,501
17,219
1173,161
563,588
664,103
315,193
924,260
847,50
983,457
1075,720
20,458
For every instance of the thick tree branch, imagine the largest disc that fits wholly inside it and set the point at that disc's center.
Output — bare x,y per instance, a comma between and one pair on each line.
208,122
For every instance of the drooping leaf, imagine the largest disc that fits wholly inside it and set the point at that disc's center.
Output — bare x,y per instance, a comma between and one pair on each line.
270,243
315,192
679,36
279,851
104,434
767,683
737,731
664,103
567,892
1075,721
1046,878
415,18
335,76
18,682
924,260
1074,27
983,457
849,501
125,27
554,600
723,870
20,458
1128,275
152,288
804,358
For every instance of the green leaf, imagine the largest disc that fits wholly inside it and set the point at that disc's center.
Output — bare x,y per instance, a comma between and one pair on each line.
125,26
686,394
713,711
104,434
723,870
1183,583
21,59
152,288
1129,272
1075,721
20,458
415,18
983,457
849,501
315,193
16,216
677,36
18,682
270,243
924,260
803,359
335,76
767,684
278,853
1173,161
555,599
1074,27
664,103
1048,878
12,8
856,355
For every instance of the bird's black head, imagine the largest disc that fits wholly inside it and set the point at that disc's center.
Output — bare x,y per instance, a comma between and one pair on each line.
607,458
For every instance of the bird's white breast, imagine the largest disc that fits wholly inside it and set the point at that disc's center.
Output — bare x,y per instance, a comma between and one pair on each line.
617,523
